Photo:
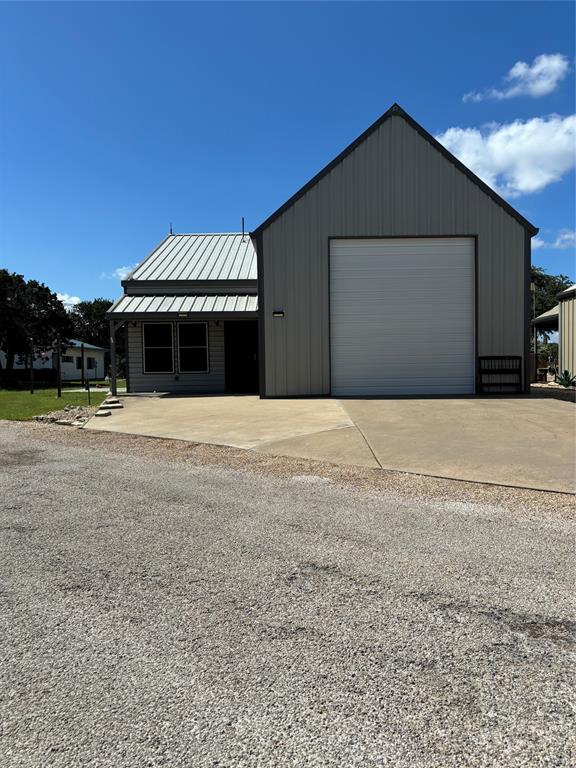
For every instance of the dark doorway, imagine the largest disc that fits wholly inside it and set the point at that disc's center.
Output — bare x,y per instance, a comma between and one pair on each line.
241,356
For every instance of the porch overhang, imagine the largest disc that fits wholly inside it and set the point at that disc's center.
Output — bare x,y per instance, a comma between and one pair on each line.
154,307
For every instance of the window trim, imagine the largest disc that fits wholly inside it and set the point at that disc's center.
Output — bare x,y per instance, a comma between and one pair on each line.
195,346
144,347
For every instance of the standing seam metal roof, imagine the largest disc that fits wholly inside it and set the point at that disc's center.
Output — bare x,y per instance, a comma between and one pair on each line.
228,256
143,305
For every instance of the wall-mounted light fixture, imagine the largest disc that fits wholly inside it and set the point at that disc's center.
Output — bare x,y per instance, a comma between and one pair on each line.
278,313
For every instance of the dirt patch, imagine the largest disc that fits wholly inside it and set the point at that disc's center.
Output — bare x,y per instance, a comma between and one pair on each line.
20,458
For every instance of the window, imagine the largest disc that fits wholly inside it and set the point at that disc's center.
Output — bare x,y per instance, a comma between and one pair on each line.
193,347
67,359
90,363
79,363
158,353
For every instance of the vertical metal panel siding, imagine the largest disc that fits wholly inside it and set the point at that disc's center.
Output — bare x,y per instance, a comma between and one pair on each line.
392,185
568,335
186,382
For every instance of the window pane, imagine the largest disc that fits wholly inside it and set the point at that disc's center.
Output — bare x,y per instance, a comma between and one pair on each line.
90,362
193,360
158,335
192,334
158,360
79,363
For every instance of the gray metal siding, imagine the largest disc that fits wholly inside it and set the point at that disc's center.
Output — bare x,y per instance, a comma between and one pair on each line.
185,288
394,184
567,336
177,382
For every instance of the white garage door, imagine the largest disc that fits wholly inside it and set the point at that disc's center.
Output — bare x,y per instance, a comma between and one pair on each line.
402,316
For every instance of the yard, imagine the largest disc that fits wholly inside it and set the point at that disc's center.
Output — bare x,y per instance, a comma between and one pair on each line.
19,405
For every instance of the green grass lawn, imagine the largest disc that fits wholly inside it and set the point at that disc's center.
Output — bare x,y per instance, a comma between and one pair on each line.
19,406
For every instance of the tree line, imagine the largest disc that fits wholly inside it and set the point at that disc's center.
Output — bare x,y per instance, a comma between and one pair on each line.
33,320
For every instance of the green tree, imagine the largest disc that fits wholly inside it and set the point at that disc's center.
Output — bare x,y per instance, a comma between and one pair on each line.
546,288
90,324
29,311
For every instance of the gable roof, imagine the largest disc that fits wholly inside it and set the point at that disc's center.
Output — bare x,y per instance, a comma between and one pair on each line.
567,293
223,256
397,110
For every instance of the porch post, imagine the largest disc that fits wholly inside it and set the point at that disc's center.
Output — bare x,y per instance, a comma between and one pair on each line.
113,357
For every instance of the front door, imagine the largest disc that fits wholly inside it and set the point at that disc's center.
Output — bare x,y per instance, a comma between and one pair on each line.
241,356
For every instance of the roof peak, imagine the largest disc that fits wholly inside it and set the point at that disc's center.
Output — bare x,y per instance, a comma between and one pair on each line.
395,110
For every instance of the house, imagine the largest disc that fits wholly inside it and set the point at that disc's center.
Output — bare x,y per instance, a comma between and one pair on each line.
389,273
561,318
190,313
70,361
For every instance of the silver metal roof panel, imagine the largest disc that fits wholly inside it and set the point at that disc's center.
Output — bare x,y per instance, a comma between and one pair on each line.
166,305
228,256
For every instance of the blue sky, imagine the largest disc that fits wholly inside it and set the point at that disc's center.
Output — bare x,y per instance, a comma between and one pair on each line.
117,119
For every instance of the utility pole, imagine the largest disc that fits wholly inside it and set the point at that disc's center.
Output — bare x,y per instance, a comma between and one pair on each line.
58,368
82,356
31,359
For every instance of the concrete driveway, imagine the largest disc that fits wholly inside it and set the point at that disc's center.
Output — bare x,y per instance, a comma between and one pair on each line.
520,442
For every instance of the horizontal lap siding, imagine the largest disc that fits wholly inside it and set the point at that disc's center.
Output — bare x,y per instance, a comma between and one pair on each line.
177,382
394,184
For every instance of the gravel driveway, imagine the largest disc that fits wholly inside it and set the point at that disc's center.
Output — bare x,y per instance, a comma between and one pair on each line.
158,610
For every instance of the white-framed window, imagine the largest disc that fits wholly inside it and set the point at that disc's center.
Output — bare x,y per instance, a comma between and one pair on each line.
158,347
193,348
90,363
67,358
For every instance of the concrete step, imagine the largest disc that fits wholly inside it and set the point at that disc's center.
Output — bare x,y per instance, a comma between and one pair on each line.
103,412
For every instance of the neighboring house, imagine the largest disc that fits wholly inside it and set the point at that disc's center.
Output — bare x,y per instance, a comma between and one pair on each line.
70,361
561,318
390,272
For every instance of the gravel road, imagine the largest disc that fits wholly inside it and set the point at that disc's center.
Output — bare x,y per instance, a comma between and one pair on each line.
162,611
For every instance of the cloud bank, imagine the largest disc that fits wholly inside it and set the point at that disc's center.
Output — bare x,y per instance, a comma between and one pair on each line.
517,158
566,238
538,79
68,300
120,273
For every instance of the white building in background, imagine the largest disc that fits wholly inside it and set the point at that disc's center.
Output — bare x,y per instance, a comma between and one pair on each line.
71,361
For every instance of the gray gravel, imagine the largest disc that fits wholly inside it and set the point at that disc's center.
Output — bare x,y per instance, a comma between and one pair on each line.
166,613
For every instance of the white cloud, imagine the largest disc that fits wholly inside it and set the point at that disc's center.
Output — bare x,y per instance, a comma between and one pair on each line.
68,301
540,78
517,158
566,238
120,273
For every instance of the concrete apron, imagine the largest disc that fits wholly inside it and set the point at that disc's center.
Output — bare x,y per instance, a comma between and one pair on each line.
520,442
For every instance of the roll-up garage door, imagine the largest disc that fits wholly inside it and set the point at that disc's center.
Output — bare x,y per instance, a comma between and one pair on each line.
402,316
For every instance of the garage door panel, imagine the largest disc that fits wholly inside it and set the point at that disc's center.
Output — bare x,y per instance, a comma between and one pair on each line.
402,316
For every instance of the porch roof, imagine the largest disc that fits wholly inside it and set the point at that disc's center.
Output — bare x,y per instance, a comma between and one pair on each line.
128,307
